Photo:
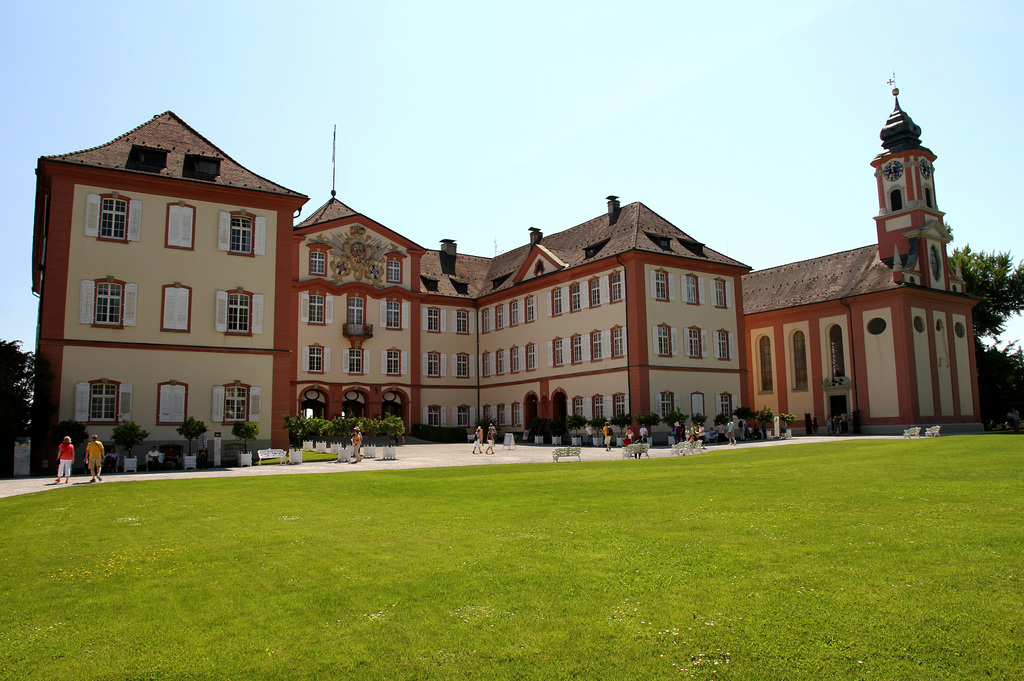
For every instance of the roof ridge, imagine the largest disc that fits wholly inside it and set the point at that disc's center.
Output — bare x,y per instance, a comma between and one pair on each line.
807,260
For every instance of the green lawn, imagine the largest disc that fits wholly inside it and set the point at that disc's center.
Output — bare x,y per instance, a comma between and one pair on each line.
850,559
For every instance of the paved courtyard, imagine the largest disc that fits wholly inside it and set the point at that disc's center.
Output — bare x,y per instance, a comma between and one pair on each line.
419,455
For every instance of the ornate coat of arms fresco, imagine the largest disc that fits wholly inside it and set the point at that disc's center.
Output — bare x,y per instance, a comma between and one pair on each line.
356,255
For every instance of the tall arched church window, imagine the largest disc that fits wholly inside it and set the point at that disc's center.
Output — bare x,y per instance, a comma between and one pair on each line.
765,348
896,199
799,361
928,197
835,346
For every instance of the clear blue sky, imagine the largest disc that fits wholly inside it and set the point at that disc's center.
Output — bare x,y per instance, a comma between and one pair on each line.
750,125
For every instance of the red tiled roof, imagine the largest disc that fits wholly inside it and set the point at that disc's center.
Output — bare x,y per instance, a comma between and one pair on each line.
830,277
167,132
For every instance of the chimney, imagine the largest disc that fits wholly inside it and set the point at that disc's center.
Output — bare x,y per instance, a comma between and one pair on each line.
613,209
448,246
535,235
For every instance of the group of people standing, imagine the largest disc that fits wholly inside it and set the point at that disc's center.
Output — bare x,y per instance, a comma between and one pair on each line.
478,439
93,459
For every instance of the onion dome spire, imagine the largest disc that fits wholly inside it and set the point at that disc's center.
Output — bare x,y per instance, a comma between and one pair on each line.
900,133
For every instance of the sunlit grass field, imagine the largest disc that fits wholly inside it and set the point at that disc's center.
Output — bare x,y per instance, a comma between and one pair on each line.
845,560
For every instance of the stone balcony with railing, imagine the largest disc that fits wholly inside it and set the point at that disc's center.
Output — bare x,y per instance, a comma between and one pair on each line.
357,330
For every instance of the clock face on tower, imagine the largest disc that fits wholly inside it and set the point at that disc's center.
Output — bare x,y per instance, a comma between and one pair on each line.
892,171
926,169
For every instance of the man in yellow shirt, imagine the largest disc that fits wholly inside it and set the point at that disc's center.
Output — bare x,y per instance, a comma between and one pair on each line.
94,457
357,444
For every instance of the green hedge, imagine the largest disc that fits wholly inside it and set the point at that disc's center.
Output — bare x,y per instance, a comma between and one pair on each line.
438,433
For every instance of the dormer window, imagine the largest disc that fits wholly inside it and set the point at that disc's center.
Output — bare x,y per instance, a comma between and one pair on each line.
660,241
591,251
149,160
201,167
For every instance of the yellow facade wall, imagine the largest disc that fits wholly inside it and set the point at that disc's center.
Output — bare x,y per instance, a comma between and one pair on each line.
880,365
923,361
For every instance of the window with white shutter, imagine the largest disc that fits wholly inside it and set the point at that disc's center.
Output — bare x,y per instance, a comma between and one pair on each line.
171,400
177,312
180,219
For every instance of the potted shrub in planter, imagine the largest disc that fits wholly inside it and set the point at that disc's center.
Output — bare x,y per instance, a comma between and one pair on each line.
539,426
574,423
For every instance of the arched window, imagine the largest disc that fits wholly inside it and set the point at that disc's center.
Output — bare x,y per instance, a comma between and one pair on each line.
896,199
765,347
799,361
835,346
928,197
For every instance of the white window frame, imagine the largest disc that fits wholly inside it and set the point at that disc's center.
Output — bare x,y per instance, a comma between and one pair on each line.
317,262
392,314
393,269
664,338
615,286
693,344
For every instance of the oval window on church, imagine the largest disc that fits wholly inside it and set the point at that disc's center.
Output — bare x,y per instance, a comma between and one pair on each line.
938,325
876,326
959,329
919,324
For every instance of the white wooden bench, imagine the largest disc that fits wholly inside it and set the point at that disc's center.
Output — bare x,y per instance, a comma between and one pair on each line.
933,431
636,450
565,452
686,448
912,432
271,454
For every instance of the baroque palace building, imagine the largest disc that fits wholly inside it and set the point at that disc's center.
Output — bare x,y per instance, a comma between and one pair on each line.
173,282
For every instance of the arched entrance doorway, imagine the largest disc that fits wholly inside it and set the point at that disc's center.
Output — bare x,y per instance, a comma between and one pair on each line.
354,404
529,409
391,404
314,403
559,407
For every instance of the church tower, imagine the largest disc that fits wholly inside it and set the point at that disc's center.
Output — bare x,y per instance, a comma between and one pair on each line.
911,233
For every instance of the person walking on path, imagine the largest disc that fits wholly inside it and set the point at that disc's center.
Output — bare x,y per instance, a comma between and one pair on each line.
607,436
357,445
94,457
644,434
65,460
478,441
491,434
590,435
729,428
202,455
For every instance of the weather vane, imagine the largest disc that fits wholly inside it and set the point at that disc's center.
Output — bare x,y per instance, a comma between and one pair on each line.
892,82
334,162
